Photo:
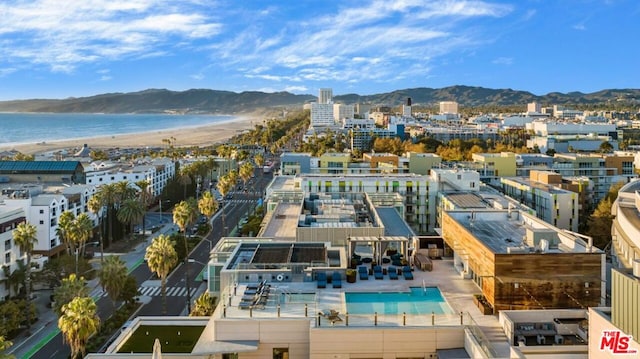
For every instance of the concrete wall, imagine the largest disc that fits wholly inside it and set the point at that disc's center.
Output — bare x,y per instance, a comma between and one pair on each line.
402,342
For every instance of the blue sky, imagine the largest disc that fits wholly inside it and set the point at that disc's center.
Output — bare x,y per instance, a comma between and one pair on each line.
59,49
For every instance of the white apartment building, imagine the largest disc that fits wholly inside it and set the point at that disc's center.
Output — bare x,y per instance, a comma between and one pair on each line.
157,172
9,220
448,107
550,128
43,209
418,192
551,203
455,179
321,115
563,136
342,111
364,123
325,96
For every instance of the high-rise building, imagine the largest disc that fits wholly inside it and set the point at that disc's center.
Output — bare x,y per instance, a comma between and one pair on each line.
534,107
325,95
342,111
406,109
321,114
448,107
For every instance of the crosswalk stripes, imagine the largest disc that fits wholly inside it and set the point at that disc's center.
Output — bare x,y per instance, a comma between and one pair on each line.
240,201
157,291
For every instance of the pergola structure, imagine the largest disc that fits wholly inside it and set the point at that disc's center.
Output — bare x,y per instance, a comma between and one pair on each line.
380,245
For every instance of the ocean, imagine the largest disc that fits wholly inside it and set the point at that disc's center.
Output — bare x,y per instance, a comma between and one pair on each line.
22,128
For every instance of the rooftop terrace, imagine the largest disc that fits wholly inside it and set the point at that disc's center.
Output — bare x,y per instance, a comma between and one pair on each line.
507,232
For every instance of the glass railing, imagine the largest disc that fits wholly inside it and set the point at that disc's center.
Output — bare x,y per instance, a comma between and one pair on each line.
482,340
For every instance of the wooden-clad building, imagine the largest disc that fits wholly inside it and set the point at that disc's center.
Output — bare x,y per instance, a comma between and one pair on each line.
521,262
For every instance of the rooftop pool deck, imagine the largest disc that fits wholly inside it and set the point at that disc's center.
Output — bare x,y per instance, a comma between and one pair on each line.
305,300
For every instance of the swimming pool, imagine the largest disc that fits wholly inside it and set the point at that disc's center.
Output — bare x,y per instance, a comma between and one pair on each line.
417,301
298,297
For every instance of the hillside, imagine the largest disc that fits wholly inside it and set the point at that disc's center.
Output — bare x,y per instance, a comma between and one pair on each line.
227,102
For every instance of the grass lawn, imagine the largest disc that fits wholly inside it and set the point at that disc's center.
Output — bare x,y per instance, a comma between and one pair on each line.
174,338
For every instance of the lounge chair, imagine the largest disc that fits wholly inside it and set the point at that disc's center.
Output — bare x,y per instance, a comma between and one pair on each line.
393,272
406,272
331,315
260,291
256,286
377,272
336,280
321,278
363,272
258,302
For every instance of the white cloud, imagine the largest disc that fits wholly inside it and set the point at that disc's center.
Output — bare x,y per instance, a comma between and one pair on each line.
579,27
7,70
503,61
65,34
296,89
105,78
358,41
375,41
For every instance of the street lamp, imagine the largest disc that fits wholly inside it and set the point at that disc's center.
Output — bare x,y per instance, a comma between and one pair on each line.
198,183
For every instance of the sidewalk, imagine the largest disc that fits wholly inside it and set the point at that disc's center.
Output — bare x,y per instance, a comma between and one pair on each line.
46,327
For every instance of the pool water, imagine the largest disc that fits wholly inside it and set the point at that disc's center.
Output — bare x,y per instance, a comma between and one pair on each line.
298,298
417,301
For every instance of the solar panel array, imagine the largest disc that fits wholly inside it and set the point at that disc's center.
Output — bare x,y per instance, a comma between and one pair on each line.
38,166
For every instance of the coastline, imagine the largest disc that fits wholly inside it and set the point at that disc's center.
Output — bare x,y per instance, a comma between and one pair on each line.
184,137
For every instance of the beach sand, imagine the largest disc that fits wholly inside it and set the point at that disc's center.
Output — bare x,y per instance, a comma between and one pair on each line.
192,136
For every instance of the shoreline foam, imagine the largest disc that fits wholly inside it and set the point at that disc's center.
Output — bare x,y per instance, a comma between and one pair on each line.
185,136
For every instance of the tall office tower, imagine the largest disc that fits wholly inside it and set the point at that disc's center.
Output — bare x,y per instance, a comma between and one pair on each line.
450,107
534,107
406,109
325,96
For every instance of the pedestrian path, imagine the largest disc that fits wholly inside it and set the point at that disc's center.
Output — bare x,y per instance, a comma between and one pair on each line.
151,292
240,201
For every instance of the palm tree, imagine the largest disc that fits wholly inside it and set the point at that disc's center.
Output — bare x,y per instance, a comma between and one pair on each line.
71,287
144,196
233,177
25,236
112,276
161,257
224,186
131,211
204,306
65,230
4,345
79,321
95,206
184,215
107,196
259,160
124,191
246,171
207,204
84,229
185,179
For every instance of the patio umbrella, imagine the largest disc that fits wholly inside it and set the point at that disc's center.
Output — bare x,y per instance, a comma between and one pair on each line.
157,350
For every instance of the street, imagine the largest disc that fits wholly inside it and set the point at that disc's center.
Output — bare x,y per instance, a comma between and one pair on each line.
48,343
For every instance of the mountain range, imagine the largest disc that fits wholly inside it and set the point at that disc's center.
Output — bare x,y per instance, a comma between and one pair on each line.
227,102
